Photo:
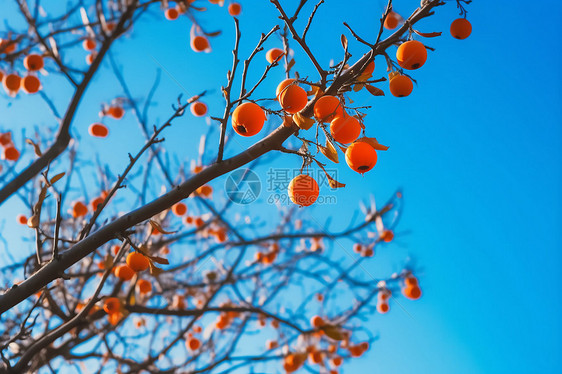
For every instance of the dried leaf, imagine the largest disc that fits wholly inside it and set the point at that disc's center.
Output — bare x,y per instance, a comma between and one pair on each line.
330,151
56,178
374,90
214,33
291,64
428,34
154,270
334,332
334,183
344,42
35,147
373,143
33,221
303,122
288,121
358,87
159,260
157,226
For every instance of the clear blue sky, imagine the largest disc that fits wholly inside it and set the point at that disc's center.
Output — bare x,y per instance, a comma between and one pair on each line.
476,149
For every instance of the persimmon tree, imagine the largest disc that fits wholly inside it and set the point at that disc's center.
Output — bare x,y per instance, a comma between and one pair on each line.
122,279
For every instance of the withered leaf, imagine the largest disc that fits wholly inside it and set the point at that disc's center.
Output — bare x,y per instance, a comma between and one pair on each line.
157,226
375,91
35,147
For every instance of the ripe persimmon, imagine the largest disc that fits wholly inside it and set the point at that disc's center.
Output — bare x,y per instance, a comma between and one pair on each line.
292,97
123,272
98,130
361,157
411,281
400,85
79,209
179,209
30,84
411,55
193,344
337,361
33,62
391,20
303,190
355,351
369,69
461,28
144,286
234,9
248,119
22,219
382,307
273,55
112,305
90,58
317,322
11,83
116,112
327,108
315,357
5,138
171,14
199,43
89,44
345,129
10,153
412,292
97,201
198,109
7,46
137,261
387,236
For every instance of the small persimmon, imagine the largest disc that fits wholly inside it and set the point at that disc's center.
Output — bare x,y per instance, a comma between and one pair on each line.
144,286
387,236
124,272
89,44
30,84
400,85
391,20
171,14
7,46
12,83
198,109
234,9
382,307
317,322
98,130
248,119
112,305
461,28
411,281
315,357
303,190
355,351
97,201
90,58
411,55
79,209
33,62
137,261
22,219
200,43
193,344
10,153
337,361
345,129
274,54
292,97
412,292
116,112
179,209
361,157
327,108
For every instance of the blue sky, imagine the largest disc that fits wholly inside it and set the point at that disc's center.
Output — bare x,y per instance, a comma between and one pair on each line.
476,149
